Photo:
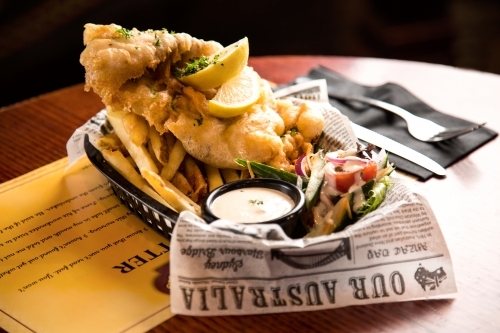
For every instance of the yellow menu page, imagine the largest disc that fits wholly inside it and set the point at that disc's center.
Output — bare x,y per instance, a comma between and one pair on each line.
73,258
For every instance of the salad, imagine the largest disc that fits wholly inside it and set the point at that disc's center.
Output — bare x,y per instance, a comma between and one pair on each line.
340,186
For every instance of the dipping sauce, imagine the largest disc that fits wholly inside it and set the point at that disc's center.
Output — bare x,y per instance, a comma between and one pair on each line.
252,204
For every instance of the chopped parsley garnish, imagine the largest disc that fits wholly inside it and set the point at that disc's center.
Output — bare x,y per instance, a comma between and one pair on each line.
158,42
256,202
195,65
125,33
294,131
192,67
199,121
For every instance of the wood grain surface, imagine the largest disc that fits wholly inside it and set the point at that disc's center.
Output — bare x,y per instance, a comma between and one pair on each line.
34,133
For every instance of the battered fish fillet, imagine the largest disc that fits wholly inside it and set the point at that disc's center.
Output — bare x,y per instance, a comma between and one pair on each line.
131,71
113,55
255,135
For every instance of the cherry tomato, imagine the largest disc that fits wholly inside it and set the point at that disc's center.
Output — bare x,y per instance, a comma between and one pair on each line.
369,171
342,180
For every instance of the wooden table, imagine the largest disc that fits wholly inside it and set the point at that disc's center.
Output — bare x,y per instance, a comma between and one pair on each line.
34,133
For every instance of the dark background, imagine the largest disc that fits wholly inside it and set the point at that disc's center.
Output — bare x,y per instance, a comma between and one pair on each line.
41,40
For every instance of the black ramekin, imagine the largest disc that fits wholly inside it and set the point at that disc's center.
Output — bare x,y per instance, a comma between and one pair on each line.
292,222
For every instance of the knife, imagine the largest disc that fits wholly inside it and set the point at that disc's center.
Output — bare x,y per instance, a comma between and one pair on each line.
397,149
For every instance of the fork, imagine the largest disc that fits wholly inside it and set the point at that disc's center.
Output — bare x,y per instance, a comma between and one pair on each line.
420,128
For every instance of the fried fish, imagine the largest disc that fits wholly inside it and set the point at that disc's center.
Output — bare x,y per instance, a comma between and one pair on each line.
132,71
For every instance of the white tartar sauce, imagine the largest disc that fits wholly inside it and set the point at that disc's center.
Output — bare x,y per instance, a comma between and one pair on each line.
252,205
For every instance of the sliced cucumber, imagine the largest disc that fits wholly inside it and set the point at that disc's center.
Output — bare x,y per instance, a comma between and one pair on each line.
266,171
313,189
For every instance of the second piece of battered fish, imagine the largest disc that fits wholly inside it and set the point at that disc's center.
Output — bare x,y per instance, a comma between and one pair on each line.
254,135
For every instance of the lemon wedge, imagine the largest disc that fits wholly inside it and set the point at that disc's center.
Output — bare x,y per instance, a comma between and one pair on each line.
236,96
222,66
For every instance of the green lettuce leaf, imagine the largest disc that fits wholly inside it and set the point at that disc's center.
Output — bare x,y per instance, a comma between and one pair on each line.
375,196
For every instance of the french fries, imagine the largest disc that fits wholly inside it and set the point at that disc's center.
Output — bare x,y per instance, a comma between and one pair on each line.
159,165
195,178
136,127
170,193
109,142
127,170
159,145
153,156
180,182
229,175
213,176
175,159
139,153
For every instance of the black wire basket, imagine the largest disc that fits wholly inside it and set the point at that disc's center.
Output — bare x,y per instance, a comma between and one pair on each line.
155,215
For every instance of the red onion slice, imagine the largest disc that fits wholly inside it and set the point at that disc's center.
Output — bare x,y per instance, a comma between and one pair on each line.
343,160
300,166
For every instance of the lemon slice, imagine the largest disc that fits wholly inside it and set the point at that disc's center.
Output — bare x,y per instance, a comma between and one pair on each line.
236,96
223,65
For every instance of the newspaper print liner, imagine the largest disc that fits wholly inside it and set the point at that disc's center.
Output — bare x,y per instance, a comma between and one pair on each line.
396,253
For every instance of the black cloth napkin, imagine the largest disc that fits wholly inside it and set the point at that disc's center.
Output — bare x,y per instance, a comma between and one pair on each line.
386,123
